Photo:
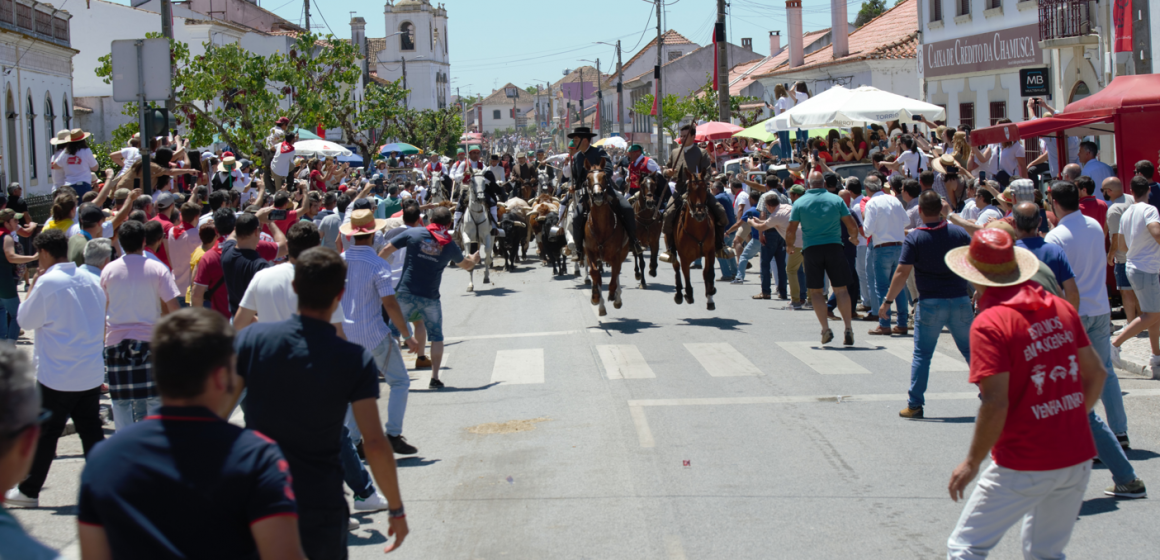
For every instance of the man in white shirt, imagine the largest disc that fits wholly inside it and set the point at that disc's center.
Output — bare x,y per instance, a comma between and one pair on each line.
283,158
1094,168
1082,240
66,308
740,198
497,170
885,224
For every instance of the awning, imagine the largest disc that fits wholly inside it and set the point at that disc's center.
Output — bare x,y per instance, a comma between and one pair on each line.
1070,126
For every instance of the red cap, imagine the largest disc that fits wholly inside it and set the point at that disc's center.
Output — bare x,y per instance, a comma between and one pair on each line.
992,251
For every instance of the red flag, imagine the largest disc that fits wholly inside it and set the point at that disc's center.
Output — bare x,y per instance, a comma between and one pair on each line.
321,131
597,123
654,107
1122,23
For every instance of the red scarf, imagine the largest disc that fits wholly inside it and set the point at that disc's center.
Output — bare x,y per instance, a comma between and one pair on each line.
181,228
440,234
286,147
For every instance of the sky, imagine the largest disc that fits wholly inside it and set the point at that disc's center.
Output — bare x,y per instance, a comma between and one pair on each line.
493,42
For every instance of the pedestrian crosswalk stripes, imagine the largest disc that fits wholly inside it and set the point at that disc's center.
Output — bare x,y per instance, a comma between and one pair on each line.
904,348
421,379
720,359
822,359
623,361
518,367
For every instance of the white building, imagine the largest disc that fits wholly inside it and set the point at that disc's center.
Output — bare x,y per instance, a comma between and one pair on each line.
497,109
416,48
36,57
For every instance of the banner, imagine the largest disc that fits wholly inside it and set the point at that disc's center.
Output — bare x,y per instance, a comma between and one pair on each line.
1122,23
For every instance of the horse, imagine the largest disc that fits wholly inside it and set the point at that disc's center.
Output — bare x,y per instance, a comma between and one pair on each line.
605,237
693,237
476,227
649,222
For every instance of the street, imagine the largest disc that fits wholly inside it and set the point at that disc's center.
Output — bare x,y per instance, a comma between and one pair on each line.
670,432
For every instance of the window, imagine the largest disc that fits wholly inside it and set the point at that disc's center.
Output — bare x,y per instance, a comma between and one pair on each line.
998,111
936,10
444,39
13,154
967,115
407,39
495,115
964,7
67,115
31,116
431,34
49,123
992,4
673,55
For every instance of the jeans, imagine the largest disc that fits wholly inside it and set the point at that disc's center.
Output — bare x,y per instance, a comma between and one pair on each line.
80,188
9,329
803,137
885,263
84,408
772,250
389,359
930,316
127,412
870,294
783,146
353,472
1099,331
860,270
1046,502
751,249
728,266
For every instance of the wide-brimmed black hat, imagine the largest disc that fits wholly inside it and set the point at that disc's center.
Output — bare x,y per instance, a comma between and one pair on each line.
582,131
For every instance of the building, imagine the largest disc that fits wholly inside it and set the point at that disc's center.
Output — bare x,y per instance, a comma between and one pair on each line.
743,77
37,57
882,54
502,112
415,49
674,46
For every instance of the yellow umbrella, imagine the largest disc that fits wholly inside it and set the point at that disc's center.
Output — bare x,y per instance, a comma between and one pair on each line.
757,132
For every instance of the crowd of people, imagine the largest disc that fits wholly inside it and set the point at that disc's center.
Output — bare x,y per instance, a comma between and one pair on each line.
292,300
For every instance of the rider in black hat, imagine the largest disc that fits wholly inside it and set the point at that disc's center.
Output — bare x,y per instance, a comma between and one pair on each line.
688,157
586,152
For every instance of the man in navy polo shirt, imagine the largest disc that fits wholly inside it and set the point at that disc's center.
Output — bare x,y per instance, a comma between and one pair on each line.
185,483
301,376
944,302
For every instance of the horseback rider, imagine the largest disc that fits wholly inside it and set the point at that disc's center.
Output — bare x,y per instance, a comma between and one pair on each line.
492,193
523,170
688,157
639,167
437,174
585,152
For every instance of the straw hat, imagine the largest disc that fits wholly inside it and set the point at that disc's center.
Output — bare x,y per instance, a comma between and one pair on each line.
942,162
992,259
1008,195
62,137
362,222
76,135
229,160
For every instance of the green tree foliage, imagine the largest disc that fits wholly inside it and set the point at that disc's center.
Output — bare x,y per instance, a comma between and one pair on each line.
674,109
705,107
381,105
430,129
870,10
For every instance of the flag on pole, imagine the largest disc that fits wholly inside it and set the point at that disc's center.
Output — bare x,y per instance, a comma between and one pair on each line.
656,90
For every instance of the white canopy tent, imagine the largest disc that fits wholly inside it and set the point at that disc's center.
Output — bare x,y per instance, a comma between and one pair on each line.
839,107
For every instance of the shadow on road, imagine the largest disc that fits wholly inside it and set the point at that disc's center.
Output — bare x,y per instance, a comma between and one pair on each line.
948,420
626,326
1099,505
722,323
496,291
456,389
414,461
373,536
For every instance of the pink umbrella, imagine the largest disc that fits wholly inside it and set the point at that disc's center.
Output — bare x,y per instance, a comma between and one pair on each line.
716,131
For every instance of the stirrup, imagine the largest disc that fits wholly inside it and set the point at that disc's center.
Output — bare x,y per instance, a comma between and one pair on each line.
665,257
725,253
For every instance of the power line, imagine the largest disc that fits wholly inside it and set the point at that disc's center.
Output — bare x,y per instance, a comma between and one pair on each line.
326,22
646,28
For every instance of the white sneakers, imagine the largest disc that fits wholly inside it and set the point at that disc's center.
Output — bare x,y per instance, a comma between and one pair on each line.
1116,361
376,502
352,524
15,497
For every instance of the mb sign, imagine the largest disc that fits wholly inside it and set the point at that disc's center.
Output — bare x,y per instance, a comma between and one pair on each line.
1033,81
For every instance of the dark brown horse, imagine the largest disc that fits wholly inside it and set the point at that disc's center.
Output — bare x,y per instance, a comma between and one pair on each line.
693,236
605,239
649,223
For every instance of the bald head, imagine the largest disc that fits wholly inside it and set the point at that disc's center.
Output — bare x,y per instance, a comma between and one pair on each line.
816,180
1026,216
1113,188
1072,171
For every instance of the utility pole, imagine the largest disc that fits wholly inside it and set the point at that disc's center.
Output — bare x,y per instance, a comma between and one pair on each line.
619,91
659,97
307,11
722,65
598,116
167,32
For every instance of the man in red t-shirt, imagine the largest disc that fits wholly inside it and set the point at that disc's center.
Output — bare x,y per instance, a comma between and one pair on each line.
209,279
1038,378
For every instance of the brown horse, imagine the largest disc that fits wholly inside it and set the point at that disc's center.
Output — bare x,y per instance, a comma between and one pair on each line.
648,228
605,239
693,236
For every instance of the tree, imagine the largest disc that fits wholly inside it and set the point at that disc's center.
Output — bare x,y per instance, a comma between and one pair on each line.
673,110
705,107
367,124
532,90
430,129
231,95
870,10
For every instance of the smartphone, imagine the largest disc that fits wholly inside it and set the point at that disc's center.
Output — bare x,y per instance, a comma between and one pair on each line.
814,154
277,215
982,175
916,118
952,170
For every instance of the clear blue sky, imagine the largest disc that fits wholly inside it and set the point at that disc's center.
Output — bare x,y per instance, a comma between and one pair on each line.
523,41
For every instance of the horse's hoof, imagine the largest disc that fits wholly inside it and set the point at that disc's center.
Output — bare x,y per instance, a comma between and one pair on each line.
689,300
471,288
487,281
711,306
643,286
677,299
652,272
638,275
603,311
587,281
617,304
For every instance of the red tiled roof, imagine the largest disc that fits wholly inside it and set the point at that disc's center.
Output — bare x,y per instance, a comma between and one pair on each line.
670,37
746,73
891,35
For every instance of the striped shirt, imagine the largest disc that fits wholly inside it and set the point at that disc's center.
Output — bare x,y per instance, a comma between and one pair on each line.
368,281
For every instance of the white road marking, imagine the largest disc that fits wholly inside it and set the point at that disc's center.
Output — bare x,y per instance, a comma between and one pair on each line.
643,433
624,361
421,379
822,360
72,551
720,359
511,335
673,547
518,367
904,349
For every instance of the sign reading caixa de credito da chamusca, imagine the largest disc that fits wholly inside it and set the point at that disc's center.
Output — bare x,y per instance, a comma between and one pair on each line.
995,50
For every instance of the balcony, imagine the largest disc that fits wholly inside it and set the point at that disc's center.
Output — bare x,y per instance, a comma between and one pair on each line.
1066,23
35,19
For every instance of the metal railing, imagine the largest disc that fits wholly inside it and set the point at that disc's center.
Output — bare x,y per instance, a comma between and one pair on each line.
1059,19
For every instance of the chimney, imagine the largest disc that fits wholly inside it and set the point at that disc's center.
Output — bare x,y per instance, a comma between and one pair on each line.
839,28
774,43
358,28
793,10
747,44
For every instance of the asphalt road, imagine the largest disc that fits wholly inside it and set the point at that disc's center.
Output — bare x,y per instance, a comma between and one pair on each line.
669,432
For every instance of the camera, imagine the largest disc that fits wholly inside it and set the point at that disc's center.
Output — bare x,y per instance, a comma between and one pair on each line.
277,215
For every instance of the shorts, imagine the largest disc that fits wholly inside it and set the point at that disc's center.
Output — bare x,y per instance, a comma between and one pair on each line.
1147,288
417,308
1121,272
826,260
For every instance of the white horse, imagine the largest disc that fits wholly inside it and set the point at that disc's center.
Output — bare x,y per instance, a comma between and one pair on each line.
578,252
476,227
